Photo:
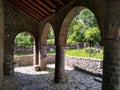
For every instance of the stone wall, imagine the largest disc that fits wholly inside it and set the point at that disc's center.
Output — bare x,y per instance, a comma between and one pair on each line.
16,21
91,65
1,42
23,60
23,50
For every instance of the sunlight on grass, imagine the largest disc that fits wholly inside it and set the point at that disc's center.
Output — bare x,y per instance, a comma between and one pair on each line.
74,52
81,53
23,55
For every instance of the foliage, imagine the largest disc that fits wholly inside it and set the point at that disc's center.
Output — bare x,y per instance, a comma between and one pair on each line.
50,37
23,39
83,28
87,17
92,35
75,33
50,34
50,41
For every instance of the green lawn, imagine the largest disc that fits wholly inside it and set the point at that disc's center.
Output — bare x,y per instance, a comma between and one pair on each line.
23,54
81,53
74,52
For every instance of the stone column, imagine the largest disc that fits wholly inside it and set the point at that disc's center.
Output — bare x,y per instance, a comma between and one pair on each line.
60,64
111,65
43,57
36,56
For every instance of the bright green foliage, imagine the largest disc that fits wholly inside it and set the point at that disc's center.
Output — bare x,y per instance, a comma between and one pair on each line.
92,35
50,38
50,34
87,17
75,33
83,28
23,39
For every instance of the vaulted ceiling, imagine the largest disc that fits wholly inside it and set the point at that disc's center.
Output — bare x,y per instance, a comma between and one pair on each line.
40,9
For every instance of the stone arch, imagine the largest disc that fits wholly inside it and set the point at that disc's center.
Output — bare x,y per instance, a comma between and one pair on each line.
34,44
67,21
44,34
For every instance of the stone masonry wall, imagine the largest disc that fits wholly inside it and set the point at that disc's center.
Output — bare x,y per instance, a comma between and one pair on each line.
15,21
23,50
1,42
91,65
23,60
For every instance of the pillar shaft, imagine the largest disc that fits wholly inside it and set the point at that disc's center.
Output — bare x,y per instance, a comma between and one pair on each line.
60,64
35,58
111,66
43,57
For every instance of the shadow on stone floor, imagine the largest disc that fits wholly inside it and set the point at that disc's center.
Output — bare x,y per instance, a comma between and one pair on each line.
25,78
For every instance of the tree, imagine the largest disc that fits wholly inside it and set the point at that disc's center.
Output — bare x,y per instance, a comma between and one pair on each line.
50,37
23,39
87,17
83,22
92,35
75,33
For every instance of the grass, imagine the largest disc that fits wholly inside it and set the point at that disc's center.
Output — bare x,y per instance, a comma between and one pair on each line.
81,53
74,52
23,54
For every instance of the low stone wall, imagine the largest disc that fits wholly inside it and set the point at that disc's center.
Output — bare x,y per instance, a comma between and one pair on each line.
91,65
23,60
23,50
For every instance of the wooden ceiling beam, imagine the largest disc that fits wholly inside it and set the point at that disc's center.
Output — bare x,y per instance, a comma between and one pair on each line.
60,2
32,7
40,8
27,8
27,11
44,5
51,4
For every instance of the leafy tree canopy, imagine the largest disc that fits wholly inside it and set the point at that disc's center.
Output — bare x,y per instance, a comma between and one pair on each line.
92,35
23,39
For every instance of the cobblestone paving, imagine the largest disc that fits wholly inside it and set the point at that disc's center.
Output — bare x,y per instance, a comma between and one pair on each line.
25,78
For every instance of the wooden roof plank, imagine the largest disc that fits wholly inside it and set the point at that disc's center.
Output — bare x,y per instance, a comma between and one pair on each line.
44,5
32,7
60,2
40,8
23,5
27,11
51,3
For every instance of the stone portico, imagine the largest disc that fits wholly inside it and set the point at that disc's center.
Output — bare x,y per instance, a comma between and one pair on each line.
14,19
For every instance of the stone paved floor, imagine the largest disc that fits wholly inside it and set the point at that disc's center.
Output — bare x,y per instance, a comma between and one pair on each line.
25,78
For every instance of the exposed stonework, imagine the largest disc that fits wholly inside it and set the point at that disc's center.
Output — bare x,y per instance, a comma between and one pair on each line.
108,17
16,21
23,60
91,65
1,42
23,50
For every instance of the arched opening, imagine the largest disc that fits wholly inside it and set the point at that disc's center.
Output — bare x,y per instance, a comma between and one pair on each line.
47,46
23,49
80,26
84,34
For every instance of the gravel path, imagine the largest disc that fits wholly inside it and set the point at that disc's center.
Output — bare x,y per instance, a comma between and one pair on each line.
25,78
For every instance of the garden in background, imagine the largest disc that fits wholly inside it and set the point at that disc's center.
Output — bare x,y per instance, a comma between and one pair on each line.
83,36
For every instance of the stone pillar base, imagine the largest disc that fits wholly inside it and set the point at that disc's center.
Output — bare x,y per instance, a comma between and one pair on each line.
37,68
9,68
